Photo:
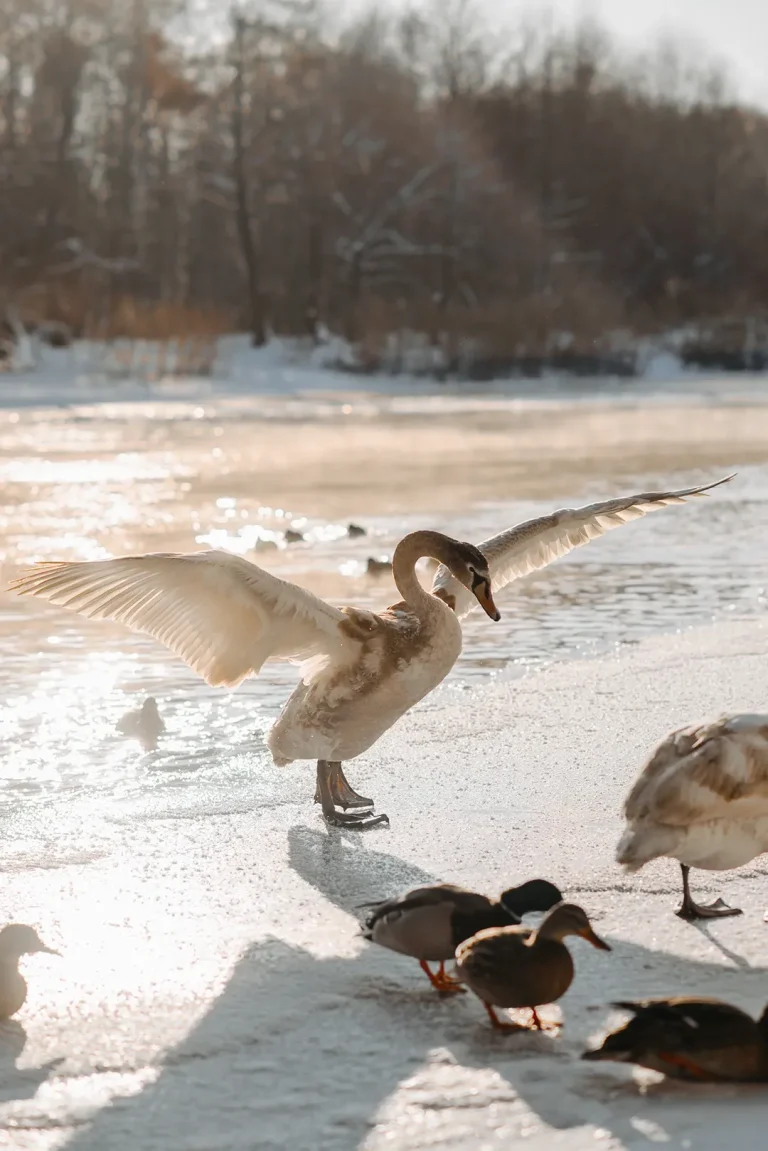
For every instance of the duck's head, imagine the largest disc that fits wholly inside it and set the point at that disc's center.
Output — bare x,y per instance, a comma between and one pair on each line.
470,567
149,707
535,895
18,939
570,919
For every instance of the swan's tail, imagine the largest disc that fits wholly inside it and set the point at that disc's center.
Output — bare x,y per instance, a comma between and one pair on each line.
642,842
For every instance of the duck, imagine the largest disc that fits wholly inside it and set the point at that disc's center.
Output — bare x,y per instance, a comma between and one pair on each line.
144,724
522,967
376,567
354,531
702,799
360,670
428,923
293,537
703,1040
16,939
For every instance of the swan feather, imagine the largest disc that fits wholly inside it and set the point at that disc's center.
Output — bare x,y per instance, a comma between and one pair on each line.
536,543
222,615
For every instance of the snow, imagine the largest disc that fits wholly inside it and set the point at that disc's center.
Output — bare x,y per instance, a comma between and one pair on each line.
213,992
89,373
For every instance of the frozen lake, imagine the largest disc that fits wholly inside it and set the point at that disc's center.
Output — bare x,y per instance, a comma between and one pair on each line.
203,909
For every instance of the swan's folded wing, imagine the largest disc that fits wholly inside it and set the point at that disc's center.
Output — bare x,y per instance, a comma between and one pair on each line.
724,777
536,543
221,614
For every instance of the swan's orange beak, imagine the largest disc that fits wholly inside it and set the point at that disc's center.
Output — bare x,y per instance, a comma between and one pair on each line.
482,593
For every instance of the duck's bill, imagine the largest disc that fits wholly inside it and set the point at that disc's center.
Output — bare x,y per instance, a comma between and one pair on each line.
595,939
49,950
483,596
599,1053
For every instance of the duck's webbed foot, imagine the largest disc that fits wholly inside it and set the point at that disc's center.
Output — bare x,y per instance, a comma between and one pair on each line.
328,794
502,1024
441,980
691,910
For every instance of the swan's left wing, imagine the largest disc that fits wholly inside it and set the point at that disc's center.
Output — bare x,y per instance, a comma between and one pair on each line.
536,543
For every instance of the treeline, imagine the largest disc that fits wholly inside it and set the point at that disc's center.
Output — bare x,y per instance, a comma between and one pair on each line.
164,168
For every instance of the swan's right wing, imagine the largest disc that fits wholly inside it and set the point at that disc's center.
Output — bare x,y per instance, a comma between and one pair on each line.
536,543
221,614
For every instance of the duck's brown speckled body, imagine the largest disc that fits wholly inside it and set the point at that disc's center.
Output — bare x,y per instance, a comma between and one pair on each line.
700,1040
518,967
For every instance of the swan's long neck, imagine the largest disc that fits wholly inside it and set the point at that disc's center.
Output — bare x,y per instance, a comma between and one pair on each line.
408,552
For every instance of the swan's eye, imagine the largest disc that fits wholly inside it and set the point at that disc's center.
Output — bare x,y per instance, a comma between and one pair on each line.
477,580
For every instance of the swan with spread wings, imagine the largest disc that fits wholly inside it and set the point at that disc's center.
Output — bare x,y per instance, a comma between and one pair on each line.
361,670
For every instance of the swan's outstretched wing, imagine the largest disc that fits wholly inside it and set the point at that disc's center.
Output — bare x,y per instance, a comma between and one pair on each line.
221,614
536,543
713,771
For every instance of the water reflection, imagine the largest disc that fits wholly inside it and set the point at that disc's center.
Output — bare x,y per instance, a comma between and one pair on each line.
157,485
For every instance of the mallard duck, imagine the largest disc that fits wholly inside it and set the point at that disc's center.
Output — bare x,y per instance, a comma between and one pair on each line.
520,967
16,939
361,670
143,724
695,1039
702,798
428,923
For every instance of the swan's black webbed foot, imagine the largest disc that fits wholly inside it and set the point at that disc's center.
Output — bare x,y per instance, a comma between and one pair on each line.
331,787
690,910
344,795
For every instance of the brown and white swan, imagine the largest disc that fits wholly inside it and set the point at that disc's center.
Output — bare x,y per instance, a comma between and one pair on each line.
361,670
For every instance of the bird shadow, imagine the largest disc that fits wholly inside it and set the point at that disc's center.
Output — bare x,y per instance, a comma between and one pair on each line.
314,1051
19,1083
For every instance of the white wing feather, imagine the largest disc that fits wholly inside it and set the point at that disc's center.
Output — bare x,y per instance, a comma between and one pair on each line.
536,543
221,614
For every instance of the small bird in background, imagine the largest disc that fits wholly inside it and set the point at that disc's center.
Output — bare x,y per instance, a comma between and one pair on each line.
376,567
143,724
354,531
16,939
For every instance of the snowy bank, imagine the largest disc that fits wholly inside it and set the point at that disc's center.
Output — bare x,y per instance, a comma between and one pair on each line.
214,990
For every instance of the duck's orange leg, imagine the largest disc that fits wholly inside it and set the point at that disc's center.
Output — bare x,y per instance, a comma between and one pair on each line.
447,982
501,1024
684,1064
439,980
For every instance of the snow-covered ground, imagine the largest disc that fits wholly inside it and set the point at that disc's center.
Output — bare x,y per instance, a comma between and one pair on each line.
213,987
82,375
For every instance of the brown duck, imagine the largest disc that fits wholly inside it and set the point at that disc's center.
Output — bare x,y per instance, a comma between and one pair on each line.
16,939
703,1040
428,923
519,967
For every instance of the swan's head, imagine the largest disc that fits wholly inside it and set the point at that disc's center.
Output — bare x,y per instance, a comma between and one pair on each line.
470,567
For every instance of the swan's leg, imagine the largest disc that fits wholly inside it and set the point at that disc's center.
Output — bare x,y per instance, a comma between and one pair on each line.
689,909
339,818
343,794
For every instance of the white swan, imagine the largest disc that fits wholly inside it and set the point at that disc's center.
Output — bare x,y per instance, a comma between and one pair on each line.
702,799
362,670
